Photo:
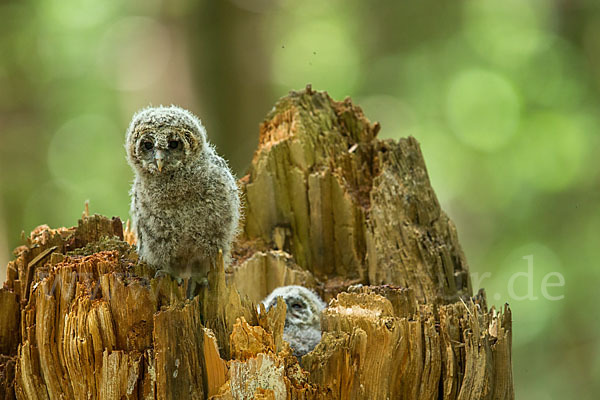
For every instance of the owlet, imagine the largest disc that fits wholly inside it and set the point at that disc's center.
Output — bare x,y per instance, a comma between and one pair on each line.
185,204
302,329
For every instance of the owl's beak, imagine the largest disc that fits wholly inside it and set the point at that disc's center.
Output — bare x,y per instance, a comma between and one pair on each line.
159,158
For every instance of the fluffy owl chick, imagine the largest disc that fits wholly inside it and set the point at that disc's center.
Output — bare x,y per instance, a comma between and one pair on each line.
184,199
302,328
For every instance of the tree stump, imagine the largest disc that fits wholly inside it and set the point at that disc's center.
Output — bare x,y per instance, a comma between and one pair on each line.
328,206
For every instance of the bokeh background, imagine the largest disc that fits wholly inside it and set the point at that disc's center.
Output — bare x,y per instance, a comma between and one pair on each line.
503,96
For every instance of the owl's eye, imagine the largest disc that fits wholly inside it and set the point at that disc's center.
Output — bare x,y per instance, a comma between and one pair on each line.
174,144
297,306
148,145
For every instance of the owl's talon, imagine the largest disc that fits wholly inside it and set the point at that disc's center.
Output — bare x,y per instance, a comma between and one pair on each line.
203,282
193,286
160,273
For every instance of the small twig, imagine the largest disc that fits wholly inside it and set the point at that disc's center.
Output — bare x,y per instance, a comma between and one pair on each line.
33,263
86,209
465,304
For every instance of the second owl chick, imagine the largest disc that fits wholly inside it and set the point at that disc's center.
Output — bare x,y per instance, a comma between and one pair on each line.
302,328
184,200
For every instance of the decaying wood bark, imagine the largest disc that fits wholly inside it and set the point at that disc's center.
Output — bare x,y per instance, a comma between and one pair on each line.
328,206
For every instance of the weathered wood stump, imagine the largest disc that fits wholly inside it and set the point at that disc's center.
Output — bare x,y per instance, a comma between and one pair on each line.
328,206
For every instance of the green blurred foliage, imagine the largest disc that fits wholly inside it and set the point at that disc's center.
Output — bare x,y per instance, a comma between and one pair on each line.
503,96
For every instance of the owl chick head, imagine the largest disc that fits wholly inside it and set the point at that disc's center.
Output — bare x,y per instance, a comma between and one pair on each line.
303,305
162,139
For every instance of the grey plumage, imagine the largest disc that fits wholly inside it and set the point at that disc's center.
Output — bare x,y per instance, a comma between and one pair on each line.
302,328
184,200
